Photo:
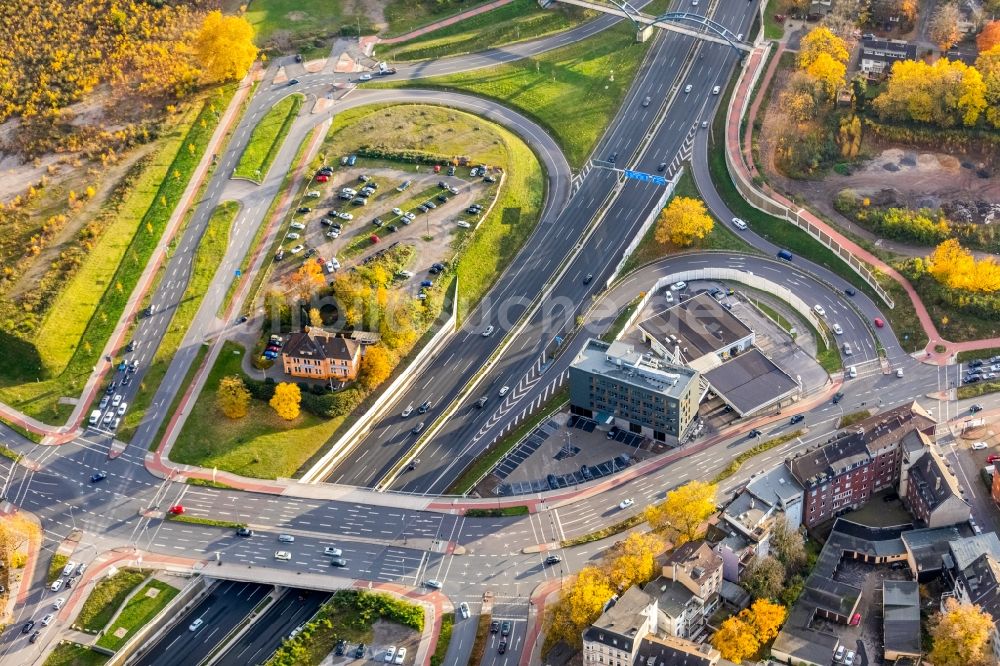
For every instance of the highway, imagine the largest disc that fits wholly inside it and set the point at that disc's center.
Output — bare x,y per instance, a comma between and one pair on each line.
290,610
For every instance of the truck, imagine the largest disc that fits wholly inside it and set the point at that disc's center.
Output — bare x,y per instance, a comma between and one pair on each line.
95,417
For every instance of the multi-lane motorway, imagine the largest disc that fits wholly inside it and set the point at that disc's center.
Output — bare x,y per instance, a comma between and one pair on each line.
398,538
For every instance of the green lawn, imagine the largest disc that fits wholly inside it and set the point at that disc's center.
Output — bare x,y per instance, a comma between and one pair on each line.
289,25
74,654
83,317
574,91
206,262
773,29
267,137
720,238
260,445
406,15
978,353
977,389
56,565
619,323
444,638
517,21
105,599
140,609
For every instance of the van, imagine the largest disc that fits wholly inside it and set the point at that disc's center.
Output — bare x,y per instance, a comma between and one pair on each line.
784,254
95,417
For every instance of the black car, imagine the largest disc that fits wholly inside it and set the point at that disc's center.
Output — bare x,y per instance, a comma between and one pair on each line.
34,637
131,347
293,82
451,171
298,57
310,252
338,562
442,198
590,276
553,559
978,363
304,209
417,429
111,388
360,651
481,402
424,408
338,651
28,626
392,227
976,408
244,532
798,418
502,648
443,185
612,157
378,222
850,291
971,379
494,627
662,166
437,266
430,204
98,476
754,433
838,397
423,208
553,481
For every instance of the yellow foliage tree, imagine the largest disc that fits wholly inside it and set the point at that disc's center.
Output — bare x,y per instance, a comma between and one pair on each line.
827,73
683,222
955,267
315,318
766,618
286,400
307,279
232,397
821,41
579,605
634,561
988,66
961,635
684,510
15,532
800,106
224,47
736,640
943,26
944,93
849,136
376,366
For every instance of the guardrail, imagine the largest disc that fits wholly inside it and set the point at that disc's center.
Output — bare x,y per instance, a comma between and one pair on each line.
668,190
765,203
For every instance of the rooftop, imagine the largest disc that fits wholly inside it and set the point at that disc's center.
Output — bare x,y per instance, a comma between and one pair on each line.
932,480
620,361
318,343
776,486
672,651
928,547
619,625
965,550
696,558
751,381
698,325
671,596
888,50
901,616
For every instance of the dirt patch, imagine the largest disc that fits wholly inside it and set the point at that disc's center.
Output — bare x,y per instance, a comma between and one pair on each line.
386,633
373,10
296,16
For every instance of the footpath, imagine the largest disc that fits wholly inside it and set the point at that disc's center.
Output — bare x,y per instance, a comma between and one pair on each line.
461,16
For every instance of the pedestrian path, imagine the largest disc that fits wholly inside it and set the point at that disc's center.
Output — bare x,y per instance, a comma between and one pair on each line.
475,11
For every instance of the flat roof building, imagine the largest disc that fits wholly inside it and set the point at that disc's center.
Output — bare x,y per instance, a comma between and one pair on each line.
694,328
751,382
613,382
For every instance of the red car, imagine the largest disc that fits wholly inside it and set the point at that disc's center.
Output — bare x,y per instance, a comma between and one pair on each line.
374,239
879,323
992,458
437,168
177,509
322,178
856,619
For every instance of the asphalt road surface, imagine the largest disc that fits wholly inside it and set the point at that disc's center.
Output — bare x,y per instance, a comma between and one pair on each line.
293,609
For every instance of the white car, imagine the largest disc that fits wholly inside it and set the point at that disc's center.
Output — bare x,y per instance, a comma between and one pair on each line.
979,446
488,331
410,216
117,400
56,585
433,584
390,653
333,234
297,249
293,236
899,372
839,654
194,626
464,609
345,216
406,275
464,224
397,211
849,659
739,224
504,390
688,88
286,538
59,603
297,225
333,552
366,77
407,411
626,503
400,656
47,620
282,555
313,194
329,267
678,286
818,309
121,408
837,329
69,568
715,90
668,297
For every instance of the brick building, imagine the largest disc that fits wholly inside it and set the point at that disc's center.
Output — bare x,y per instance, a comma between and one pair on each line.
855,464
319,354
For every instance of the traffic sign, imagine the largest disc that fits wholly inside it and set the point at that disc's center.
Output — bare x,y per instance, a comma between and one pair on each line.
645,177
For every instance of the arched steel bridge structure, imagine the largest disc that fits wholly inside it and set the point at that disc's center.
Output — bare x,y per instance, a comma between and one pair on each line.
685,23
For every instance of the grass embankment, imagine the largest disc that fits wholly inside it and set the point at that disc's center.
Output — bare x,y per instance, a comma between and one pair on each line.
482,637
520,510
56,566
610,530
854,417
141,608
500,448
903,317
349,615
484,254
517,21
304,26
260,445
406,15
85,313
444,638
978,353
206,262
9,453
978,389
105,598
571,91
23,432
266,139
773,29
738,461
74,654
618,325
720,238
209,522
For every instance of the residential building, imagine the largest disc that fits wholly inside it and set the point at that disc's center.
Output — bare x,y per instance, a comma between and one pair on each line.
697,567
689,590
318,354
856,463
612,383
672,651
613,640
878,56
933,494
979,583
679,612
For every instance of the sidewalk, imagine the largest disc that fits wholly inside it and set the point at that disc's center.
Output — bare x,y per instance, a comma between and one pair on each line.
742,155
68,431
475,11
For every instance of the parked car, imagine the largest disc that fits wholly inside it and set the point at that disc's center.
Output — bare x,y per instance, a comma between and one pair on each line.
463,224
